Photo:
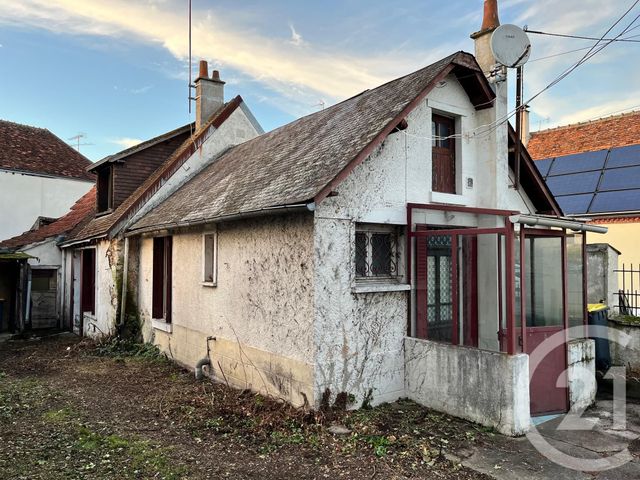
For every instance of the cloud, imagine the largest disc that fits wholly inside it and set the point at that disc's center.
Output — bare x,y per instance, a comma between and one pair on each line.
126,142
141,90
296,38
297,75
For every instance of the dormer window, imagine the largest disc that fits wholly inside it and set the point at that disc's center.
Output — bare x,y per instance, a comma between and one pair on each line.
104,193
443,154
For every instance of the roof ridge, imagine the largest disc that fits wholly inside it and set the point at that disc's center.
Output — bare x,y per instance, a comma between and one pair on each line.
24,125
586,122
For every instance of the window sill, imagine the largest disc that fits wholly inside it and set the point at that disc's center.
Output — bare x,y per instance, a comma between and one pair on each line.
380,287
161,325
104,212
448,198
209,284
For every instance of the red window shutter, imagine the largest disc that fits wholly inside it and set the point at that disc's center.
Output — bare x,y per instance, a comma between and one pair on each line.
421,284
157,301
88,279
167,275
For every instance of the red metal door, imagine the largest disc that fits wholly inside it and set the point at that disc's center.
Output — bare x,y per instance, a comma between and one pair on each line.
543,285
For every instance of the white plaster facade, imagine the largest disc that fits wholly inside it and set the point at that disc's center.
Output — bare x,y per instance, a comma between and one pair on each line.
25,197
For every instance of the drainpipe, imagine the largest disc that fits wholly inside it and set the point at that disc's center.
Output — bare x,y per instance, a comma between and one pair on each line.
27,310
204,361
125,275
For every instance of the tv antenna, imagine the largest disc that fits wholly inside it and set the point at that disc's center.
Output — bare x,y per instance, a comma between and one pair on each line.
511,47
191,86
76,141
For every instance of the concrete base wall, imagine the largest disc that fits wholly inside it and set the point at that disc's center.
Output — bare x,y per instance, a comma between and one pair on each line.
240,366
581,374
629,354
489,388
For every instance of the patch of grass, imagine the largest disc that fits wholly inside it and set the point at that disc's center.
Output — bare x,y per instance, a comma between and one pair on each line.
58,416
147,460
121,347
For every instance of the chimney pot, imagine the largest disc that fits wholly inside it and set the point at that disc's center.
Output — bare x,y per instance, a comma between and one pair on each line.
490,21
204,69
215,75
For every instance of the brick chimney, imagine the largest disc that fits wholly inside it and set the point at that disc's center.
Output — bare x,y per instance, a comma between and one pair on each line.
209,94
482,38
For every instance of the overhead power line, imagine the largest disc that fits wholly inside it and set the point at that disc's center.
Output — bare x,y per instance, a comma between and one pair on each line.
564,35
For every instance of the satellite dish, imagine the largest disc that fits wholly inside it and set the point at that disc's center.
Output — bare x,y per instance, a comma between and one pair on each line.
510,46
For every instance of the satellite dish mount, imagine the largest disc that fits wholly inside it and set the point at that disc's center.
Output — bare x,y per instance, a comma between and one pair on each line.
511,48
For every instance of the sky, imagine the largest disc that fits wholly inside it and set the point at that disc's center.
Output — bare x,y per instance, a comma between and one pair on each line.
116,71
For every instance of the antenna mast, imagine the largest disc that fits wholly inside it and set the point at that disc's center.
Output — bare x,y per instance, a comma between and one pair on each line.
189,97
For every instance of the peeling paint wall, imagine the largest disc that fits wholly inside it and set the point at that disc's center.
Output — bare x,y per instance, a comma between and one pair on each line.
260,312
108,265
581,374
489,388
360,336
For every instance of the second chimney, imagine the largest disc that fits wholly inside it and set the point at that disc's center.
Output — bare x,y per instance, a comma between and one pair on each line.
482,38
209,94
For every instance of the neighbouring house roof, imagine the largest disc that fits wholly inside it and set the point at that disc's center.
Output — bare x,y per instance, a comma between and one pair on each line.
601,134
302,161
36,150
79,213
101,226
123,154
592,168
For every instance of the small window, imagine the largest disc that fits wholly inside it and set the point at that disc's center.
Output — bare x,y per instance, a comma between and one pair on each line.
376,252
104,195
210,259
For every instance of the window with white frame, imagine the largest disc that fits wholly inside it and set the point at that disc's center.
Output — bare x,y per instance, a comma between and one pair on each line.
377,252
210,258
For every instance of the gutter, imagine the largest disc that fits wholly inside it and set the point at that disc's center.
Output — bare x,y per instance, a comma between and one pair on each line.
85,240
300,207
532,220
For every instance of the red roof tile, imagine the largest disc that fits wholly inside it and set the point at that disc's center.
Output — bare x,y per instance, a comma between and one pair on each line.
79,214
37,150
602,134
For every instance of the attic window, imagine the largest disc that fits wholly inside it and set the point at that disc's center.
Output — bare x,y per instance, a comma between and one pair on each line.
105,189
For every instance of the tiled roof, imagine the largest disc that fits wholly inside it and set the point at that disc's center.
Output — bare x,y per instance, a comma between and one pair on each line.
296,162
102,225
602,134
37,150
79,213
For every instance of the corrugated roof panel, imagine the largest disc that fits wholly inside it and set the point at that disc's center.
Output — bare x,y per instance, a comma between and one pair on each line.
621,201
543,166
585,182
579,162
575,204
624,156
621,179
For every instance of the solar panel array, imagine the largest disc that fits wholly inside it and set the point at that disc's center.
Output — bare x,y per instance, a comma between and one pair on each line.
605,181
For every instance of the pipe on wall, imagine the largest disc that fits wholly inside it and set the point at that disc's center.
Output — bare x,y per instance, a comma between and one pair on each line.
557,222
205,361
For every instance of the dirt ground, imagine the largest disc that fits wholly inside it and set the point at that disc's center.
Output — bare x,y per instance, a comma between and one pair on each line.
71,409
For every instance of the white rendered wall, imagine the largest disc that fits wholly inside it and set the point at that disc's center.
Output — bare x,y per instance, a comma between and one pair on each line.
107,295
581,374
260,312
24,198
360,336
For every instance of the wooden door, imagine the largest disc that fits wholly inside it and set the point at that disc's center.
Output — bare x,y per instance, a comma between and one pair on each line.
443,155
